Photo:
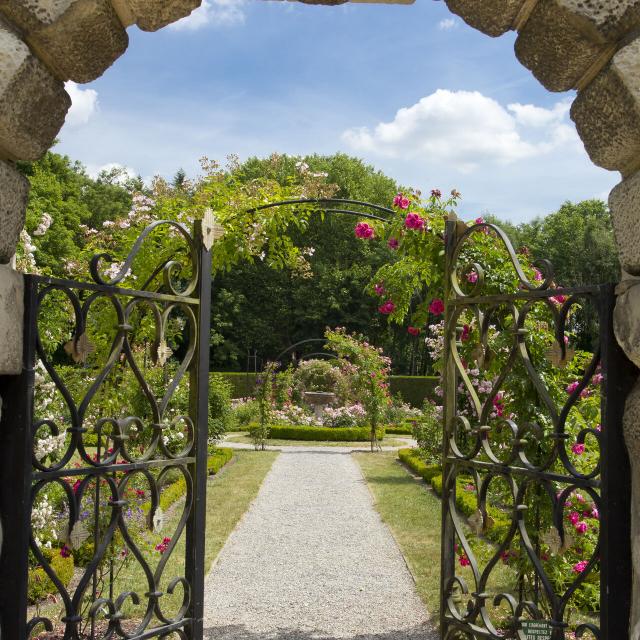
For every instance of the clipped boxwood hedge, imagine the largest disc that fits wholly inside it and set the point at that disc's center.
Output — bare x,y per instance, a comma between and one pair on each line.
465,500
40,584
330,434
411,457
405,429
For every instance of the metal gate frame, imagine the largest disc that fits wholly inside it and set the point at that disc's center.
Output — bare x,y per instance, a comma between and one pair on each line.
614,484
20,473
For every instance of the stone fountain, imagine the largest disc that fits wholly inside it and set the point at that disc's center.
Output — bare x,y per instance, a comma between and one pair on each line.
319,400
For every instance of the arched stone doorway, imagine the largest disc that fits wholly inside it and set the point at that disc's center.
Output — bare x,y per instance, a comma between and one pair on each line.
589,46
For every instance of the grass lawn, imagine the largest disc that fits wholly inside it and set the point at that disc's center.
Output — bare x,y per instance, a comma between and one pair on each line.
413,515
387,442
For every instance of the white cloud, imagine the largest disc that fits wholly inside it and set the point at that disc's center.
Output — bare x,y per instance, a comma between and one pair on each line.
121,172
213,12
84,103
465,130
447,24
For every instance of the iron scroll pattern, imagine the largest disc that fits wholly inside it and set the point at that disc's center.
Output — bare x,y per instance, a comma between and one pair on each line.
105,453
483,450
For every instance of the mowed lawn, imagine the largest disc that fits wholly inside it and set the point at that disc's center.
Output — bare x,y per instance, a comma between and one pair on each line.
412,513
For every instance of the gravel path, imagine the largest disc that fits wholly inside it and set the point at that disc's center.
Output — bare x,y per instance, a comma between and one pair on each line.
311,559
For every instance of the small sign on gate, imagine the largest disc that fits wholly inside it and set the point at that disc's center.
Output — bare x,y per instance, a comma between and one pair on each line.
537,629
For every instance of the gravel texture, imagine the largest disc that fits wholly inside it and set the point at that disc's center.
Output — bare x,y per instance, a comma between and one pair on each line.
311,559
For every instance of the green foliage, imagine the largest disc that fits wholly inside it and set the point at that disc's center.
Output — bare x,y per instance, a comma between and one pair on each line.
40,584
367,370
320,375
220,413
413,389
427,431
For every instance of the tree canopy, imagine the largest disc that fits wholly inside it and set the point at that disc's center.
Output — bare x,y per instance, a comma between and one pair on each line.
313,276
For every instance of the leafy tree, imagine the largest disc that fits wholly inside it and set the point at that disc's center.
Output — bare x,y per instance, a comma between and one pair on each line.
64,202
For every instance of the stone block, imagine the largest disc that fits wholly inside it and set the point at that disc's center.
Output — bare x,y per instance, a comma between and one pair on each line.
554,49
33,103
151,15
564,40
493,17
607,113
624,204
11,318
603,21
14,188
77,39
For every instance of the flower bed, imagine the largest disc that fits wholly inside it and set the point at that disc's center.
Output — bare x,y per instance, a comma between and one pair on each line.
332,434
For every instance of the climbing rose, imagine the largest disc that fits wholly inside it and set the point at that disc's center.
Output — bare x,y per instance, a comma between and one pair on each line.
581,527
387,308
414,331
574,518
579,567
364,231
466,330
164,545
401,201
436,307
595,513
379,289
472,277
393,243
414,221
578,449
479,220
464,561
572,387
597,378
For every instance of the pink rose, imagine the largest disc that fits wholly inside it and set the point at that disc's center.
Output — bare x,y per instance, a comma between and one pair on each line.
464,561
472,277
393,243
401,201
572,387
387,308
414,221
578,449
364,231
414,331
581,527
574,518
436,307
579,567
379,289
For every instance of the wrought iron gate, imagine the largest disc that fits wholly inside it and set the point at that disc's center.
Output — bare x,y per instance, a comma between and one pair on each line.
518,501
113,462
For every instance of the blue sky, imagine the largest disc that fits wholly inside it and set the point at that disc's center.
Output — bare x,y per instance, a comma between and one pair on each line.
409,88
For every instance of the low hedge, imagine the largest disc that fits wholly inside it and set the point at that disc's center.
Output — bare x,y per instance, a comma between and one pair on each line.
466,501
399,429
40,584
411,457
330,434
218,459
177,489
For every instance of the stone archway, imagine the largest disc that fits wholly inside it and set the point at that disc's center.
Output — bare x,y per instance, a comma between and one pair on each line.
592,46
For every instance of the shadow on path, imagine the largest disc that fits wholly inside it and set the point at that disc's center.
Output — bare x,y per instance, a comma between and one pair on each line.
240,632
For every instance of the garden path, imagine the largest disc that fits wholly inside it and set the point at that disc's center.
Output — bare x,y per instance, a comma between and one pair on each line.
312,559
